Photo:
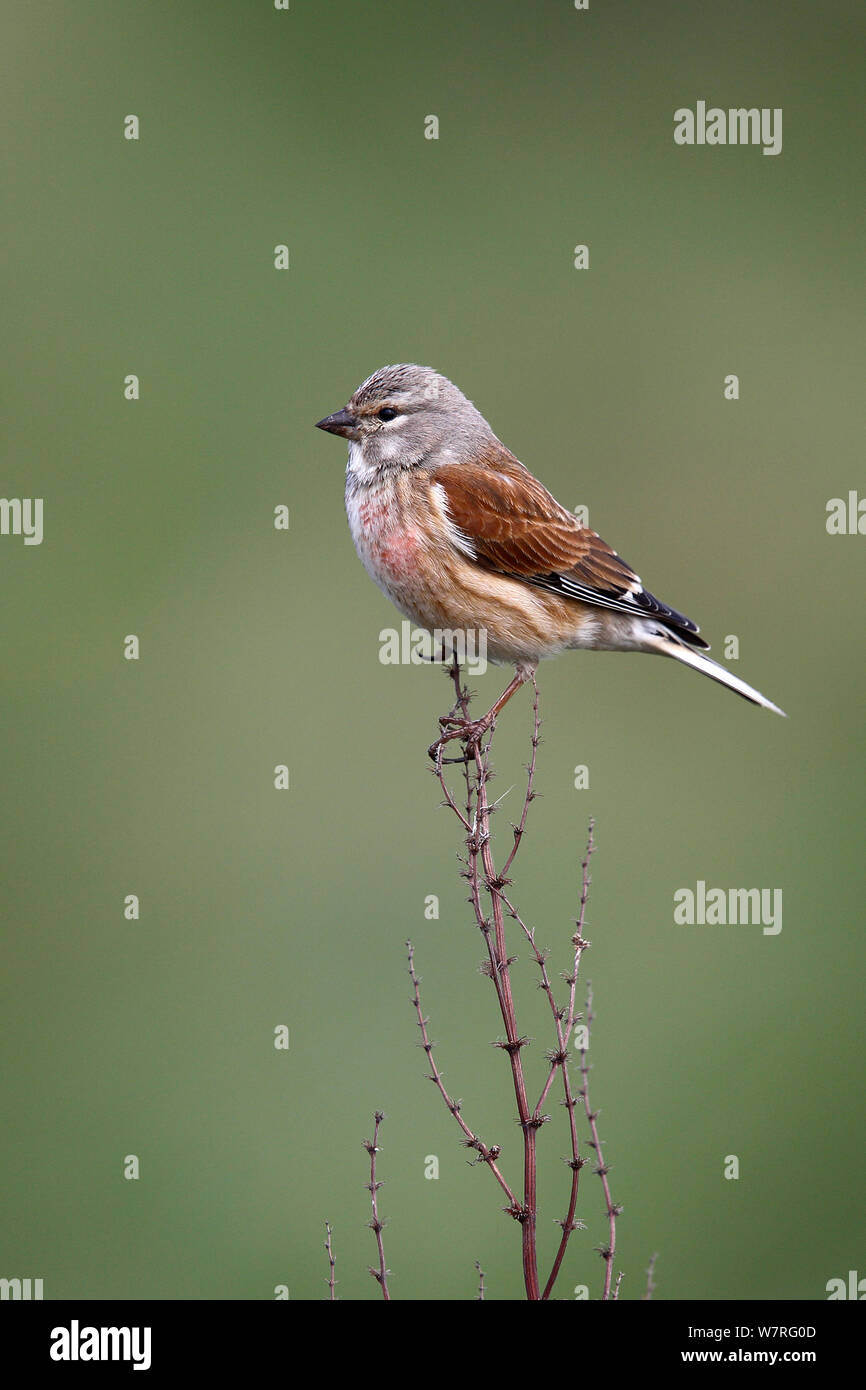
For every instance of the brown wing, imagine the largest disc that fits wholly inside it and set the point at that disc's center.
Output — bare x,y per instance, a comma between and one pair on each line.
508,521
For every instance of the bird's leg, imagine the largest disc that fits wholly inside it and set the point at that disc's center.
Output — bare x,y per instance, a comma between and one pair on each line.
457,715
471,733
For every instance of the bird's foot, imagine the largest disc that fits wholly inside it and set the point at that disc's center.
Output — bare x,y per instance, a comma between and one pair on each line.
469,732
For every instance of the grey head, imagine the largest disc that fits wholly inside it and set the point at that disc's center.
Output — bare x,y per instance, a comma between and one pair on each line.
404,416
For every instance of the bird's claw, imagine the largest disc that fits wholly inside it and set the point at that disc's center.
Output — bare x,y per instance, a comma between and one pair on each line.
470,735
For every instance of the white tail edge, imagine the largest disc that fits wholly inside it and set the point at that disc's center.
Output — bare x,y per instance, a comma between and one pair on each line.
668,646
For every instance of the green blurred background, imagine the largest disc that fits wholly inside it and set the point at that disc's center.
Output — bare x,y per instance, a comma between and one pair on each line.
260,647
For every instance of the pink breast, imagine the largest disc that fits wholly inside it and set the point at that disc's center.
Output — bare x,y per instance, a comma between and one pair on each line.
392,549
372,515
397,553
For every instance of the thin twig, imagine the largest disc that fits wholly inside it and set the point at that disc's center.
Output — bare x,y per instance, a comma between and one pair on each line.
372,1147
607,1252
332,1263
650,1281
577,940
480,870
564,1032
487,892
519,829
529,1123
480,1295
459,708
486,1154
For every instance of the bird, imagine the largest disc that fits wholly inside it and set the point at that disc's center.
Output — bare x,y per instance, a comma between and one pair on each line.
461,536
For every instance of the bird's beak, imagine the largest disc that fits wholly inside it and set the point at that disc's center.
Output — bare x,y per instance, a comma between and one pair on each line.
341,422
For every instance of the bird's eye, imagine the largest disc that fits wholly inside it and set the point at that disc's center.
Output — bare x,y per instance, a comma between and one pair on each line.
386,413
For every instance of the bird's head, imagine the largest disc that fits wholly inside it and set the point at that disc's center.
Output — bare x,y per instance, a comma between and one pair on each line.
404,416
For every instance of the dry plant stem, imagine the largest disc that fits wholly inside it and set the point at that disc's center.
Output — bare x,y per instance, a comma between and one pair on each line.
480,1297
376,1226
481,870
560,1058
530,784
563,1021
485,1154
609,1253
650,1279
479,843
332,1283
482,877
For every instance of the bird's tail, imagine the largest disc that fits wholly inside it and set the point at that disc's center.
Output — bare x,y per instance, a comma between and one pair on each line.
669,646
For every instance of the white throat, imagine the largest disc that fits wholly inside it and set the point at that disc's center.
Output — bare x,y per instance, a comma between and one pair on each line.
356,467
